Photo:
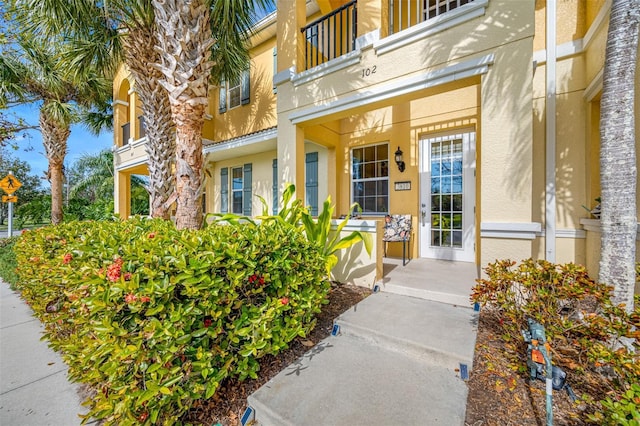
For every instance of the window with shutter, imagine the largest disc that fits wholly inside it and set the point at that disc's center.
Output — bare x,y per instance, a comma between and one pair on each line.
311,182
224,190
246,199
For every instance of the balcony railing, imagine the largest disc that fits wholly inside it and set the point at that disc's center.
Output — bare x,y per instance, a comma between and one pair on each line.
142,129
126,133
331,36
404,14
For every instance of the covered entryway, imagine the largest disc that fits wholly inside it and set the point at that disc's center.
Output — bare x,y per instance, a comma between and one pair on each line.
447,197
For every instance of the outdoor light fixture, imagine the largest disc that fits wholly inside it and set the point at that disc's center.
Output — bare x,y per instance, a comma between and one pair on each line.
399,161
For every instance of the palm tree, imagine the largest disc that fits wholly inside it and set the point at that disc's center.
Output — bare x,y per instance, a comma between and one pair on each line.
34,72
617,152
103,35
199,40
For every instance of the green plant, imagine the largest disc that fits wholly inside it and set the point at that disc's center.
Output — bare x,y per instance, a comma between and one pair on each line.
154,318
622,411
319,230
8,261
589,334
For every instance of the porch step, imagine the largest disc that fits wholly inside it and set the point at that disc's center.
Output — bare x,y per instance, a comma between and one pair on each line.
395,360
423,293
438,333
345,380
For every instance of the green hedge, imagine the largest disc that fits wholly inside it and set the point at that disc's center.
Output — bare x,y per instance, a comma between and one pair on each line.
8,261
154,318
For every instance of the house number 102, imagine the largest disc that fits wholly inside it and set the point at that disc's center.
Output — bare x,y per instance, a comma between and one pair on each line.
368,71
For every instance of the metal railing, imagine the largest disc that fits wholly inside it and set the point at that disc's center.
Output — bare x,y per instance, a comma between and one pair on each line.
126,133
404,14
331,36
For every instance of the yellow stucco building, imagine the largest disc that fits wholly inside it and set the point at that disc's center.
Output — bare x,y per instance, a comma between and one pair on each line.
435,108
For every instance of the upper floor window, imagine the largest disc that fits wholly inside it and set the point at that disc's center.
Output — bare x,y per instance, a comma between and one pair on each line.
370,178
235,92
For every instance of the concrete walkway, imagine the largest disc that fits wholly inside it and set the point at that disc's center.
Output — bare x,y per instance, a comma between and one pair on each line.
396,360
34,389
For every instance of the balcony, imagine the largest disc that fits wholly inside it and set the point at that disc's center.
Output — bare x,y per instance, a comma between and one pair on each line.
331,36
404,14
126,133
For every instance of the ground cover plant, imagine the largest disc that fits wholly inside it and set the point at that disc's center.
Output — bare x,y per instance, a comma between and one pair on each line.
595,342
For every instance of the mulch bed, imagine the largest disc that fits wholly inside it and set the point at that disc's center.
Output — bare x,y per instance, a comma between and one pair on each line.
229,402
500,393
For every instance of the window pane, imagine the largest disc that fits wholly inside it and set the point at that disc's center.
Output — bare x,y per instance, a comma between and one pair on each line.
357,155
435,203
369,204
457,146
457,238
435,238
457,166
370,188
435,186
436,221
383,187
234,97
370,153
457,203
457,185
236,179
446,203
383,169
358,189
435,168
369,170
382,152
457,221
381,205
446,185
237,202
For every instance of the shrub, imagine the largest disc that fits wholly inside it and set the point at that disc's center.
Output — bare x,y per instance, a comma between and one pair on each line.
588,333
154,318
8,261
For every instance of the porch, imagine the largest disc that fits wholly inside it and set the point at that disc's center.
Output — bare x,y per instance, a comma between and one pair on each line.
437,280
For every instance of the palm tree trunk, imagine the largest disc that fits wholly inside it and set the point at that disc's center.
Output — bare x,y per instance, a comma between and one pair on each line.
617,152
139,48
54,139
184,39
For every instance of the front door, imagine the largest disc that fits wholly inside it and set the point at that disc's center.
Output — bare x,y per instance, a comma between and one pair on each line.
447,197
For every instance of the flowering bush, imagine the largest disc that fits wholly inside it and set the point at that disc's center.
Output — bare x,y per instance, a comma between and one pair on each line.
154,318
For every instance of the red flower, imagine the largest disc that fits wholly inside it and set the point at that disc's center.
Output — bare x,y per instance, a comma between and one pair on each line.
67,258
261,280
208,322
152,235
127,276
130,298
142,417
35,259
145,299
114,270
284,300
24,231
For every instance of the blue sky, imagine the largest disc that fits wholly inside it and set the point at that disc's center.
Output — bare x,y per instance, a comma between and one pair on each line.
31,150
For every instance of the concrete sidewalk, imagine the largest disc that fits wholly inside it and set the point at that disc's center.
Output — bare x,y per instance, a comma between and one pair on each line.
34,389
397,360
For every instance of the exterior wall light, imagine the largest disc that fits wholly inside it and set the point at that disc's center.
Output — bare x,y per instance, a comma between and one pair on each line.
399,161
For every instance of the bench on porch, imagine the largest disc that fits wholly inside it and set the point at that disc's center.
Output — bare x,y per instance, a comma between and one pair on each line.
397,228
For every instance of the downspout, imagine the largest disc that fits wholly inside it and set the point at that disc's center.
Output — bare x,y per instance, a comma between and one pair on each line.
550,114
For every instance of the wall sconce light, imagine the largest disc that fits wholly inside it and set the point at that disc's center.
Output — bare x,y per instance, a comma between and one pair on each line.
399,161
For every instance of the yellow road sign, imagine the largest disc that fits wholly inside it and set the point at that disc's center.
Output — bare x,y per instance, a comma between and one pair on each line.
10,184
9,198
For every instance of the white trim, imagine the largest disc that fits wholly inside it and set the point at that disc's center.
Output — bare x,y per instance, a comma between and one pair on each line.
131,91
563,51
594,87
550,133
240,142
429,27
133,163
119,102
284,76
327,68
367,40
593,225
355,225
394,89
601,18
568,233
522,231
